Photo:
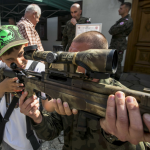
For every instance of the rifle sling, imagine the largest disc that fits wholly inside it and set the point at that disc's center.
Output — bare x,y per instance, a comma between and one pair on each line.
30,135
33,65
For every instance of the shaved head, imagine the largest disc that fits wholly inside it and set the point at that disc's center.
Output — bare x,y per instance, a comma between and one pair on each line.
94,40
88,40
76,5
75,11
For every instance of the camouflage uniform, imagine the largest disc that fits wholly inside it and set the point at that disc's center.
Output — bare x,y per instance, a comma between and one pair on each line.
119,31
87,137
69,32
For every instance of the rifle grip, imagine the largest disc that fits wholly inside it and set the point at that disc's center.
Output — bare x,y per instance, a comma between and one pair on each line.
30,91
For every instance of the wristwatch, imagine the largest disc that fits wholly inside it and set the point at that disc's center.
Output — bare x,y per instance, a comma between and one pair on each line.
109,137
112,139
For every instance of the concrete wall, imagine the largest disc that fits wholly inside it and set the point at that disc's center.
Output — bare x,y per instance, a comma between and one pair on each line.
103,11
51,34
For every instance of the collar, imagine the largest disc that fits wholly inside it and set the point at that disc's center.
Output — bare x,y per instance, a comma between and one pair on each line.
79,18
24,18
126,16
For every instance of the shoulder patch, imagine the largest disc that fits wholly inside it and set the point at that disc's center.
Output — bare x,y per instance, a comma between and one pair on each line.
121,23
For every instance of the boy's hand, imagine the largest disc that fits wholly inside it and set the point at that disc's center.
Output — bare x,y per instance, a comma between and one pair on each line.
30,107
10,85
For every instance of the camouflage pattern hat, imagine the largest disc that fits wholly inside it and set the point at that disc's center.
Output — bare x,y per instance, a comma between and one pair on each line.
10,37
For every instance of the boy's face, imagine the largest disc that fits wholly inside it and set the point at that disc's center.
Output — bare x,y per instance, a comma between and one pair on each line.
17,57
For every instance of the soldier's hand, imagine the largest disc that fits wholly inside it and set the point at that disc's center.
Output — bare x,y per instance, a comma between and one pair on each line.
63,109
30,107
10,85
123,119
74,21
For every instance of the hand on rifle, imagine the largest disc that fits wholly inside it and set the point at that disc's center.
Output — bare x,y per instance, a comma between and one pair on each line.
63,108
10,85
59,107
30,107
123,119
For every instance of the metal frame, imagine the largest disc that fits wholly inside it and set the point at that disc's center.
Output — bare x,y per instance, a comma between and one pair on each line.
12,12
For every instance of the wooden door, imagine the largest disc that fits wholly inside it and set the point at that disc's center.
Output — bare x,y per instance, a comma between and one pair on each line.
138,50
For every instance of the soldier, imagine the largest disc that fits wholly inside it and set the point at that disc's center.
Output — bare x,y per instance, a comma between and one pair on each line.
119,31
69,30
112,133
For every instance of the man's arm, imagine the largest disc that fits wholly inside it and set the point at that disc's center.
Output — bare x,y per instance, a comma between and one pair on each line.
120,27
121,122
50,127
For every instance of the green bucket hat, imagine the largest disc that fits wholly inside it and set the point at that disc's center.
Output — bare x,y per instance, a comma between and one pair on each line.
10,37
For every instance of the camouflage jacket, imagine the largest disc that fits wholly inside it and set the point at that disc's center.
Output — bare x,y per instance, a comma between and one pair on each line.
69,32
76,137
119,31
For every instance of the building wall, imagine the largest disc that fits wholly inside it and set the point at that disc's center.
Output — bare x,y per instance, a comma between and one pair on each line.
103,11
51,34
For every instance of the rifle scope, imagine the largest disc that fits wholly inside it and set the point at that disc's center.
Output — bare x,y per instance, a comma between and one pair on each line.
97,60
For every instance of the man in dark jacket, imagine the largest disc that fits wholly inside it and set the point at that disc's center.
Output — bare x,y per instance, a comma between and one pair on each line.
70,28
119,31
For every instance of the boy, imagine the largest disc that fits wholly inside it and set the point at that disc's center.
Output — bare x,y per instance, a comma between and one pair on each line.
12,46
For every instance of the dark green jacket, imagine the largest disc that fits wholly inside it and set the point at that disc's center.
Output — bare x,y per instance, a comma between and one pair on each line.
90,139
119,31
69,32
